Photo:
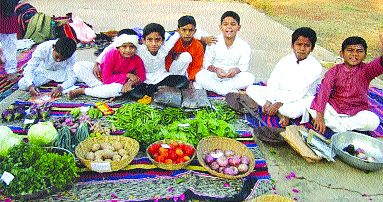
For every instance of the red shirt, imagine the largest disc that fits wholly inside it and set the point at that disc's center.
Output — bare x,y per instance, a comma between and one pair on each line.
346,89
115,67
195,49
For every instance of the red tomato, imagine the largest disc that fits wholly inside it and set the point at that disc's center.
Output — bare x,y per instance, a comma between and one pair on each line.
155,155
168,161
189,150
179,153
179,161
173,156
165,155
160,159
175,144
161,150
186,158
154,148
181,146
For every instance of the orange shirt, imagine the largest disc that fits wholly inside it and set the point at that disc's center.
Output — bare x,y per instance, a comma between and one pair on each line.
195,49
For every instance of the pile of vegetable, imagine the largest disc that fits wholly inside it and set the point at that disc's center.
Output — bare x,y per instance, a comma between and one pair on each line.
107,152
35,112
227,162
69,140
34,169
14,112
173,153
7,140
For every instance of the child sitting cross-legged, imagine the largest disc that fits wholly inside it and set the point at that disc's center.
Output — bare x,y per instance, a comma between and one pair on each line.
342,102
122,72
52,60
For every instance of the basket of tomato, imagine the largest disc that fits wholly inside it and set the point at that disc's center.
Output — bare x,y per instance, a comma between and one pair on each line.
171,154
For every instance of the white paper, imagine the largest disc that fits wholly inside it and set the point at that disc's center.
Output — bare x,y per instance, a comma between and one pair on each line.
84,109
101,167
166,146
217,155
7,177
28,121
184,125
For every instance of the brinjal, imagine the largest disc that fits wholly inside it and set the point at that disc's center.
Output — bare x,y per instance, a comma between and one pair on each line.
8,115
33,113
19,113
45,112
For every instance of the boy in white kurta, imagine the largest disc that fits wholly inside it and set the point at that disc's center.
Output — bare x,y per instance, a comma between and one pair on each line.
226,63
291,86
52,60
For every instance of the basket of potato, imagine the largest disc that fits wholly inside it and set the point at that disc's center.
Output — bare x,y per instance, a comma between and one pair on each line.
107,153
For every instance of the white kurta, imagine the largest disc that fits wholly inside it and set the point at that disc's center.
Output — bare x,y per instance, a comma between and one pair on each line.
155,65
218,55
290,83
9,47
42,68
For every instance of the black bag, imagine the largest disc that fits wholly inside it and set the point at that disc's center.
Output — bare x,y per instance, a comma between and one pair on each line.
24,12
168,96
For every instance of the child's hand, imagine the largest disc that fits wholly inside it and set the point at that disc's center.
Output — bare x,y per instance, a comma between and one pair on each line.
232,72
57,92
209,40
220,73
33,90
319,123
127,87
134,78
97,71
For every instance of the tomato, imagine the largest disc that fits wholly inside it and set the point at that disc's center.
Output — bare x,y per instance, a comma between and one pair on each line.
181,146
162,150
189,150
168,161
175,144
186,158
165,154
173,156
179,153
179,161
160,159
155,155
154,148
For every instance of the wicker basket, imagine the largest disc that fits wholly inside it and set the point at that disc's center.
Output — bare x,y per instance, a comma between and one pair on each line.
170,166
212,143
129,144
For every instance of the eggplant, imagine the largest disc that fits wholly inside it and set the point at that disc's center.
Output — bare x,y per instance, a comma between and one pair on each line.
19,113
45,112
33,113
8,115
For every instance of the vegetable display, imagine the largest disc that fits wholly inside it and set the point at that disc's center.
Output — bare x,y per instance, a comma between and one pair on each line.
42,133
173,153
107,152
34,169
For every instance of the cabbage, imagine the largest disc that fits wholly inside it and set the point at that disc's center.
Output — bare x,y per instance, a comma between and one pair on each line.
7,140
42,133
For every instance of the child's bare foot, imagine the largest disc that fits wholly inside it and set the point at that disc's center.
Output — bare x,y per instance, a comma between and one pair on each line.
75,93
283,120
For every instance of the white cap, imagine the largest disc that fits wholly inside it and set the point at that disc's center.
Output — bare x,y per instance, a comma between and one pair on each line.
124,38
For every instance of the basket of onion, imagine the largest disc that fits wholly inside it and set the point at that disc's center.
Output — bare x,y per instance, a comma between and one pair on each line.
225,157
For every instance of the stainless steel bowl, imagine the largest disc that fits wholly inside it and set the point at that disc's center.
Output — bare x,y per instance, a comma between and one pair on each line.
370,145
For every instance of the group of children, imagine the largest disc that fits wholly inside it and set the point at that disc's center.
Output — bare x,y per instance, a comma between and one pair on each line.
130,68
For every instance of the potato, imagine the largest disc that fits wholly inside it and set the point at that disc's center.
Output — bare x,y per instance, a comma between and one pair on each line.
116,157
105,145
122,152
99,153
107,153
117,145
110,147
98,160
95,147
90,156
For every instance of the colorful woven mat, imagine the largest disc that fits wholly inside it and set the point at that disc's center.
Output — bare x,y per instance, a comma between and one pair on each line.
375,96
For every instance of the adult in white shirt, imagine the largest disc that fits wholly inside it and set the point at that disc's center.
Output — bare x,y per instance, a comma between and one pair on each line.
226,63
292,84
52,60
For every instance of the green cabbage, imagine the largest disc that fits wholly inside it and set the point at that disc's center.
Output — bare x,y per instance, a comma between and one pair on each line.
42,133
7,140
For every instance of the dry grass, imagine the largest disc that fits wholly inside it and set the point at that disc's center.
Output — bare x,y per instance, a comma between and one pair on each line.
333,20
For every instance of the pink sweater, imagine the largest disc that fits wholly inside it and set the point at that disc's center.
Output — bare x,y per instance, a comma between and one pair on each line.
115,68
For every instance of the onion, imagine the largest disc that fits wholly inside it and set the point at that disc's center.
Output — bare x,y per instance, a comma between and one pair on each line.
245,160
218,151
235,170
214,166
221,169
222,161
229,153
228,171
234,161
243,168
209,159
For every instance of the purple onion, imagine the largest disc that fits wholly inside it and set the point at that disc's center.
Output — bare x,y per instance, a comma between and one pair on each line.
214,165
234,161
209,159
245,160
229,153
222,161
243,168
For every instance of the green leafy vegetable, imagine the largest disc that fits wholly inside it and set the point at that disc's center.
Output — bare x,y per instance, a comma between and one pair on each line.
7,140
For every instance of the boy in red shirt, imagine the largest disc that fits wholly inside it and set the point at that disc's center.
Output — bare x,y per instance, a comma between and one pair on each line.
186,57
342,103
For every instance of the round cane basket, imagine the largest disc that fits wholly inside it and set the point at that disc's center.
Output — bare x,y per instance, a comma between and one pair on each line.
271,198
165,166
129,144
209,144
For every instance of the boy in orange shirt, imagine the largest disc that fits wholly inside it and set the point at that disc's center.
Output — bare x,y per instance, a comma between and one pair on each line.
186,57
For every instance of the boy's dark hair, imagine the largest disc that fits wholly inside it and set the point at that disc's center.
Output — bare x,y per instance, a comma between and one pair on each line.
127,32
154,27
231,14
65,46
354,40
185,20
306,32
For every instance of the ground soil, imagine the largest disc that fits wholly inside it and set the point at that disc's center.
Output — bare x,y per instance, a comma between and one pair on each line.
333,20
